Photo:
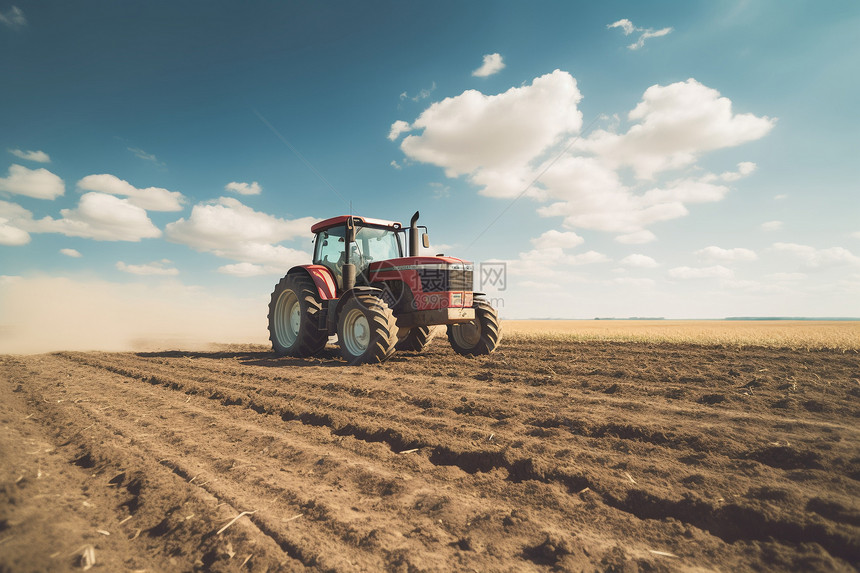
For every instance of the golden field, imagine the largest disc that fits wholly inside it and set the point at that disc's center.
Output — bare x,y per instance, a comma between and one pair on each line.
840,335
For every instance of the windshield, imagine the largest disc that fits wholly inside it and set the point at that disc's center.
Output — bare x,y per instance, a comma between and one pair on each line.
371,244
376,244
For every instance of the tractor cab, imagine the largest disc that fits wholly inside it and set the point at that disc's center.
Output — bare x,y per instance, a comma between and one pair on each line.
371,240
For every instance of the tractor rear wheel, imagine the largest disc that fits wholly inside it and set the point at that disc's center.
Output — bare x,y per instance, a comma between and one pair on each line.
293,317
366,330
415,339
479,336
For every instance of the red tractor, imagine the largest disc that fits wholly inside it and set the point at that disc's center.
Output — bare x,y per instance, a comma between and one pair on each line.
363,289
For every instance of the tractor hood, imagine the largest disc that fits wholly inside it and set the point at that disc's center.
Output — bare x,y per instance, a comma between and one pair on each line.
421,263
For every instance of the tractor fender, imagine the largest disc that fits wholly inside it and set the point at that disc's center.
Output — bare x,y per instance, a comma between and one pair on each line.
322,277
355,291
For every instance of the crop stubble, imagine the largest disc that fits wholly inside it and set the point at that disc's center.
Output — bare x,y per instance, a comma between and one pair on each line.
580,455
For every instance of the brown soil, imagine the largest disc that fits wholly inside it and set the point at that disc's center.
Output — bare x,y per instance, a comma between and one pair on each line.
580,456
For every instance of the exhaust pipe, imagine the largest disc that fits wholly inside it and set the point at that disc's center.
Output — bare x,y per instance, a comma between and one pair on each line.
413,236
348,268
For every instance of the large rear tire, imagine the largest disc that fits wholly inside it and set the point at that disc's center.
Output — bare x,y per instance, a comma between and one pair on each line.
366,330
479,336
415,339
294,317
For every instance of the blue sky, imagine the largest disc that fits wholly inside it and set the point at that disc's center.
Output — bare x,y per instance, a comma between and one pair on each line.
685,160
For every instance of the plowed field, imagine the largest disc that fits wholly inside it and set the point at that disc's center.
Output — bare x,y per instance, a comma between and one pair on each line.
544,456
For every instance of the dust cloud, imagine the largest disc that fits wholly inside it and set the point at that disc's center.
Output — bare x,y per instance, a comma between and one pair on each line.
45,314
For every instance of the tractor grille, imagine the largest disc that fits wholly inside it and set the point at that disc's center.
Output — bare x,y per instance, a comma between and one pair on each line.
442,280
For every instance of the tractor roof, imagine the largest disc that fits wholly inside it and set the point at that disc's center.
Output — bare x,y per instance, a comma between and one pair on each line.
341,219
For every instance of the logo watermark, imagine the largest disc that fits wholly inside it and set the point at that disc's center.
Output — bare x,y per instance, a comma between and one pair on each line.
493,275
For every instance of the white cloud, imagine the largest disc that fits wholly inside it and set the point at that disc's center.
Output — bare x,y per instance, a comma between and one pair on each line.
73,253
628,28
14,221
855,234
675,124
158,268
780,197
97,216
481,135
397,128
395,165
744,168
13,18
508,144
250,270
552,239
423,94
244,188
636,238
493,64
11,236
232,230
103,218
713,253
37,156
717,271
151,198
625,24
815,258
638,260
772,225
37,183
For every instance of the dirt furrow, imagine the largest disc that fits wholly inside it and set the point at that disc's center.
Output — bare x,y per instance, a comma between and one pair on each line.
564,456
719,520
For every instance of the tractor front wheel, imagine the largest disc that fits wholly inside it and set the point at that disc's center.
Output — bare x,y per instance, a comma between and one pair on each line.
366,330
293,317
479,336
415,339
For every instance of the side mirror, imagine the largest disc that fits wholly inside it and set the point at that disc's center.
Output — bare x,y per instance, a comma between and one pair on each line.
425,240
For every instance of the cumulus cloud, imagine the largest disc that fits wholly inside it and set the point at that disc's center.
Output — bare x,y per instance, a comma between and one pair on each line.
645,33
151,198
717,271
714,253
11,236
493,64
508,145
244,188
482,136
101,217
674,125
232,230
37,156
557,239
397,128
37,183
640,261
815,258
772,225
73,253
14,221
13,18
158,268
